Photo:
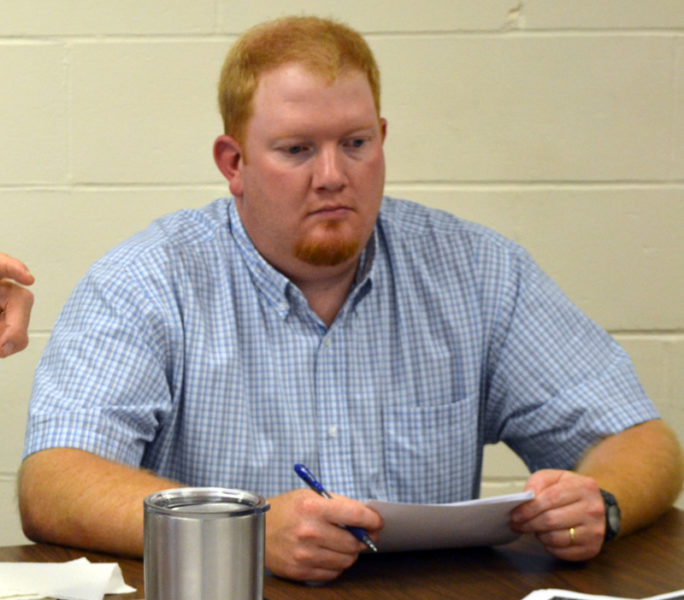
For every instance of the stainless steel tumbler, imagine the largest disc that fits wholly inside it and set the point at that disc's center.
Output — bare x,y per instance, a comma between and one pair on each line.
204,544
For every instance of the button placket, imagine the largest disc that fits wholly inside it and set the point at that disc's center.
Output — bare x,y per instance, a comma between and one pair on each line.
332,408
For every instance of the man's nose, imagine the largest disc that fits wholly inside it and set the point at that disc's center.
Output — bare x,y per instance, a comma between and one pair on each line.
329,173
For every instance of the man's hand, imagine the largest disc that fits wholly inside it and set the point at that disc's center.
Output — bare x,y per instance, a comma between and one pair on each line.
303,537
563,500
15,305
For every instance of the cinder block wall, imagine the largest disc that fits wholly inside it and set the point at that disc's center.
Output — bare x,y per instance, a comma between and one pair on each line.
557,122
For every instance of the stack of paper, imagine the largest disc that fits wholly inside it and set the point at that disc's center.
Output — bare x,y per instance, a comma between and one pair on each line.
483,522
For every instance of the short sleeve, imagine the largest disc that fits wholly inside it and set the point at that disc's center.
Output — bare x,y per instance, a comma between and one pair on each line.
102,384
558,382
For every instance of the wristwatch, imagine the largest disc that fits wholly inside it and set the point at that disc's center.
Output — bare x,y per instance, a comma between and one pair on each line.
612,516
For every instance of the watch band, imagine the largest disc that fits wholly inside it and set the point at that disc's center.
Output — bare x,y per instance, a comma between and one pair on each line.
613,516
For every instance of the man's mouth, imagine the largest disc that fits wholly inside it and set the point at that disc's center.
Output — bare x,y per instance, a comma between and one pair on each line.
333,212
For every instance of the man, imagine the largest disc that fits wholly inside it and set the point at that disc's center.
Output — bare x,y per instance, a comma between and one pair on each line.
309,319
15,305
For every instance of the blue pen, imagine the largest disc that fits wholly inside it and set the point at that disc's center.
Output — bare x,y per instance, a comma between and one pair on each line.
358,532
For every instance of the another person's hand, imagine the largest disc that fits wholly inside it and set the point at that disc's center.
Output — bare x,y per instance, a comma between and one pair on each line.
304,540
15,305
567,514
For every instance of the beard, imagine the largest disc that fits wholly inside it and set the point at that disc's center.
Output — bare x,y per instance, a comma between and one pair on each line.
329,252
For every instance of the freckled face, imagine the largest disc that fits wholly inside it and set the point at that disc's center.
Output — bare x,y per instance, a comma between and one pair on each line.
311,178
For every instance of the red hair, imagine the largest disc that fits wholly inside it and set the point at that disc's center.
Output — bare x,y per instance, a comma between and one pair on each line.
326,47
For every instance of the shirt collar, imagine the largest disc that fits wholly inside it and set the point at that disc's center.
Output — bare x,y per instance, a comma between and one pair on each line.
275,286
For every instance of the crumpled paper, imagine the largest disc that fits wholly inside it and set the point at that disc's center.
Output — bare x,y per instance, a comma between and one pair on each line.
74,580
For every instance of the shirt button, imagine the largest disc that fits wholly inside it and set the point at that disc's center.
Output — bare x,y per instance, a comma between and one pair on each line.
332,431
326,342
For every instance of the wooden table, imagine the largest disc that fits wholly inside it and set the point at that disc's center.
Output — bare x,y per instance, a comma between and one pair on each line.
645,563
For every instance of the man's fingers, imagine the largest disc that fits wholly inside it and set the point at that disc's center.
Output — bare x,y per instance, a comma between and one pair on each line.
558,518
574,543
555,490
304,539
15,312
357,514
11,268
310,561
563,538
566,514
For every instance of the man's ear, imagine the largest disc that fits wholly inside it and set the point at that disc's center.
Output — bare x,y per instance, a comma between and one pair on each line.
229,160
383,129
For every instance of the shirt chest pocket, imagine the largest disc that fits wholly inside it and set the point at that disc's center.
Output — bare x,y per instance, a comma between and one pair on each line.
430,452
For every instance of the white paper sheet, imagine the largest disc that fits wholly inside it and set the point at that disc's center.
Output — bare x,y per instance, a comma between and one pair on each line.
484,522
74,580
553,594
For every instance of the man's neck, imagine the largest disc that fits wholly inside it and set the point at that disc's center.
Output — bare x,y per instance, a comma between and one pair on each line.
327,295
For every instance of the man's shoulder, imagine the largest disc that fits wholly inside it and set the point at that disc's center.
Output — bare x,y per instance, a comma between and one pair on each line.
412,222
174,233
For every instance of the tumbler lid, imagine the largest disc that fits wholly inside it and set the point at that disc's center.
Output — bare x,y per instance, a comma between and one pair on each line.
205,502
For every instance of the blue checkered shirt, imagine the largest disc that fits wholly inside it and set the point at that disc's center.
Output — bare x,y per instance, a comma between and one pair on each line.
183,351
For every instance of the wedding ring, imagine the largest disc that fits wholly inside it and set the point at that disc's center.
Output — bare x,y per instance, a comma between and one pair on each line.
571,531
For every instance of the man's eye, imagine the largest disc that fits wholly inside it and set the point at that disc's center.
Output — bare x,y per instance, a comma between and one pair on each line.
295,149
357,143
